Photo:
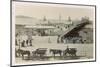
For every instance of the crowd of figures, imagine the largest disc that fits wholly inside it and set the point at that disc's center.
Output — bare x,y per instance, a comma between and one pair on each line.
23,42
41,53
72,40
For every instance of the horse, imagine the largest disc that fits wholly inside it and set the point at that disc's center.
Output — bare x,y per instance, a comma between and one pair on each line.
70,51
56,51
18,52
23,52
40,52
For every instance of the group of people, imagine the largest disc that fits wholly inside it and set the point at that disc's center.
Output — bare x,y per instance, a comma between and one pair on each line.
70,40
60,39
23,43
23,40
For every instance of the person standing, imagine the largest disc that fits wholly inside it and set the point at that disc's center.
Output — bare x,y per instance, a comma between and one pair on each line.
27,42
23,43
58,39
31,42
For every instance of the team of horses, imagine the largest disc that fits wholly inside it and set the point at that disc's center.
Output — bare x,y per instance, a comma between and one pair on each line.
41,52
66,52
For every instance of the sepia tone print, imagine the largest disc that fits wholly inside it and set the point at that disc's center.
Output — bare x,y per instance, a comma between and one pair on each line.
47,33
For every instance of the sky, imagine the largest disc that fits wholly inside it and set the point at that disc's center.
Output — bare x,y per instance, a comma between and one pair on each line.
52,11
